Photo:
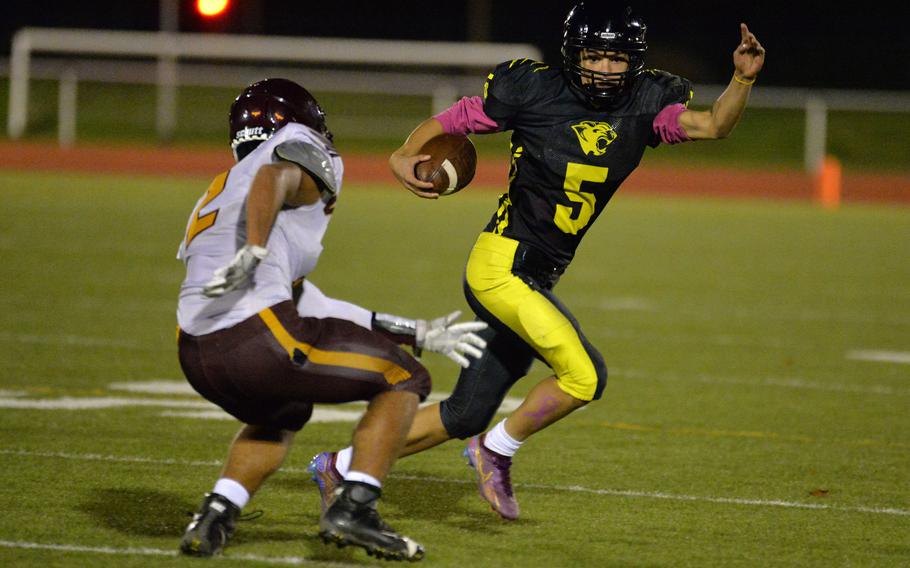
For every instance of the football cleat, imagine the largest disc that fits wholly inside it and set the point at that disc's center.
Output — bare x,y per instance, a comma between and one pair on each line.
493,478
211,528
352,519
326,476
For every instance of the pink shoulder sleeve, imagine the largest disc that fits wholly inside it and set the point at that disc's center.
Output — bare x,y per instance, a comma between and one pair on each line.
666,124
467,117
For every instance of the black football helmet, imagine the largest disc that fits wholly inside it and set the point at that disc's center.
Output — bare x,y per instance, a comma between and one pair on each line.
608,26
267,105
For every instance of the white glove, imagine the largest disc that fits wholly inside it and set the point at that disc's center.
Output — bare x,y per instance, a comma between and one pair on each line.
453,341
237,274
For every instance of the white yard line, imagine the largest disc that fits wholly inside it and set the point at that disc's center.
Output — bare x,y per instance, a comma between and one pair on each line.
899,357
727,500
154,386
868,509
113,459
130,551
797,383
182,387
178,408
89,403
79,548
779,382
320,415
71,340
190,408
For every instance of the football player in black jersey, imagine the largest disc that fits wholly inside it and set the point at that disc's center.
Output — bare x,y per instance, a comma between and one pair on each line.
578,131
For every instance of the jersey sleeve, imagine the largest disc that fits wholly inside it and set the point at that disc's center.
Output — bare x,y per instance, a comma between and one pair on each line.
313,159
313,303
677,91
509,88
667,90
666,124
466,117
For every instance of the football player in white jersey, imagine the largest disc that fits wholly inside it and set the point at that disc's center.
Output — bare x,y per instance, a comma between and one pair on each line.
246,346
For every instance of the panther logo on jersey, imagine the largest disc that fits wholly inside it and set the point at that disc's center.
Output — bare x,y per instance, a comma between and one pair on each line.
594,137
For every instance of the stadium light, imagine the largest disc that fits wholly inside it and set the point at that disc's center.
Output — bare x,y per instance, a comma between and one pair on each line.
212,8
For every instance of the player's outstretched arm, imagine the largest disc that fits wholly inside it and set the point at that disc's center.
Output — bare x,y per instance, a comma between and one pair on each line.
404,160
444,335
748,60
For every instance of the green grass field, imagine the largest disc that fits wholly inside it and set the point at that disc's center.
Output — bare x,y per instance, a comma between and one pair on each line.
756,414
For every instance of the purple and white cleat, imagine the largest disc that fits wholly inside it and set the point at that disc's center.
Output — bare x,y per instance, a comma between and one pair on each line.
493,478
326,476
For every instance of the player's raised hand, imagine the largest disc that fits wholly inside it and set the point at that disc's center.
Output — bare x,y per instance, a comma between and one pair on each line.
404,167
749,56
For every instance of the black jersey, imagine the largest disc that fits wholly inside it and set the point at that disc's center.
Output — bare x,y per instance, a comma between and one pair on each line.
568,159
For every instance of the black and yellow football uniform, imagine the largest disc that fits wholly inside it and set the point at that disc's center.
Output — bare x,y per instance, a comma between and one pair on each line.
568,159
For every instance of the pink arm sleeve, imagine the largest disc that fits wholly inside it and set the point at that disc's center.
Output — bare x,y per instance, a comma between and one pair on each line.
467,117
666,124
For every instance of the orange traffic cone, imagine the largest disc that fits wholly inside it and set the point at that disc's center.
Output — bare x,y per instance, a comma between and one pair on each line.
829,183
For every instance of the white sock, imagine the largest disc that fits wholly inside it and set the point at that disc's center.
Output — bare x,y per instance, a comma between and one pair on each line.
363,478
343,460
232,491
499,441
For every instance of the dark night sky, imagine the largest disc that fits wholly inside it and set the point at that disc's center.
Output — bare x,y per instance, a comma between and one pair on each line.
810,44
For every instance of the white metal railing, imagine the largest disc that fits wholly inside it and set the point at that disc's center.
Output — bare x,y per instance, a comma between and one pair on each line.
169,47
816,103
165,72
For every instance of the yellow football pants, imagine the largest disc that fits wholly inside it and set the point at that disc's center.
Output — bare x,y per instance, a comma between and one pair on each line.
533,316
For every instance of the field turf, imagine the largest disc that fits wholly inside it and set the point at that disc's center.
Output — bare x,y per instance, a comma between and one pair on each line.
756,412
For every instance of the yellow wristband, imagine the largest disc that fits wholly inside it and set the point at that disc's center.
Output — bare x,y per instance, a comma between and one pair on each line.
744,81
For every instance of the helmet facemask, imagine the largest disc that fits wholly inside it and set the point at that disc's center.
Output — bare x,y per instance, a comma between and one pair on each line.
600,88
608,29
255,120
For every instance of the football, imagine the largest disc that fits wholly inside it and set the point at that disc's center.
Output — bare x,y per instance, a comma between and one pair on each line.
452,163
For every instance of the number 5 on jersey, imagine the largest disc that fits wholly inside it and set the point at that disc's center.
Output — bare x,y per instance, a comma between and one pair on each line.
573,218
200,222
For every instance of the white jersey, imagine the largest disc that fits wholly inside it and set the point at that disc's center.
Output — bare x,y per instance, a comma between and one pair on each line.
217,229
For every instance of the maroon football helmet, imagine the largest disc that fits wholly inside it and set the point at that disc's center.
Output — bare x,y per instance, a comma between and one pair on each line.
267,105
